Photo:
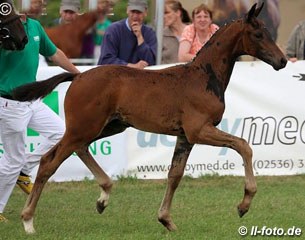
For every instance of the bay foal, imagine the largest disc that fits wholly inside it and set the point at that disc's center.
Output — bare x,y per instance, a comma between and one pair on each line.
187,101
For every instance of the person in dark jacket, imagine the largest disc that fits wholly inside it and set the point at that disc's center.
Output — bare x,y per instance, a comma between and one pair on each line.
129,41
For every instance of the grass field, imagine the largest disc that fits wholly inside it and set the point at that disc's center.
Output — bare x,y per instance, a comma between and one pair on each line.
203,208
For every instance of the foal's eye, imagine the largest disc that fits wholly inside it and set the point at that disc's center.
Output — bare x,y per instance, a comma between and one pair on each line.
258,35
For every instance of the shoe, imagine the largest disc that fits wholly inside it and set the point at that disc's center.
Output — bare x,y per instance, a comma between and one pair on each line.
2,218
24,182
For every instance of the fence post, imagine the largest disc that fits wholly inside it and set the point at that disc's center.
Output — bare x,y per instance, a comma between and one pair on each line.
159,28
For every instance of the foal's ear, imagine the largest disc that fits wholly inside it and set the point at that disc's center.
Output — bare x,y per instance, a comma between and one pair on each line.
259,9
251,13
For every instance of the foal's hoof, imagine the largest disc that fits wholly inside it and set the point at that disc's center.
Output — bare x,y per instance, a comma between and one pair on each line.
28,226
168,224
100,206
241,212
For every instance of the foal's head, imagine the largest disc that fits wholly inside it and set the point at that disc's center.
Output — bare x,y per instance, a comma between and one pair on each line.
257,41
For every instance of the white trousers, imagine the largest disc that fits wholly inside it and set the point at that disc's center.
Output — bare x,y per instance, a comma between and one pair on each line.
15,118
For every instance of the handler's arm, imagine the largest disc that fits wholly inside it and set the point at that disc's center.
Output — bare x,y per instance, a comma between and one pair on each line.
60,59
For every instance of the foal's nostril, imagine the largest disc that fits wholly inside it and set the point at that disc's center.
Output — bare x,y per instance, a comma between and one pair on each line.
283,62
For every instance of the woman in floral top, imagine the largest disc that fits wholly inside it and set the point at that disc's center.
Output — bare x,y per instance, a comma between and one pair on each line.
195,35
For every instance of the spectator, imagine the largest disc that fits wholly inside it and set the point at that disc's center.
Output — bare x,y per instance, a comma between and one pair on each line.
295,49
175,20
225,11
129,41
18,68
69,11
36,8
101,25
35,11
195,35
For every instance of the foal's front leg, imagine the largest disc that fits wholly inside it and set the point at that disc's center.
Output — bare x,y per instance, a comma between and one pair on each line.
210,135
181,154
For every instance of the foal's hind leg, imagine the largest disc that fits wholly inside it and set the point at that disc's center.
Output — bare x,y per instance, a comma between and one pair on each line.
210,135
48,165
181,154
102,178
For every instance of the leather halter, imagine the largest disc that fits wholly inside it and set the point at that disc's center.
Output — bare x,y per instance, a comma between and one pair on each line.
4,31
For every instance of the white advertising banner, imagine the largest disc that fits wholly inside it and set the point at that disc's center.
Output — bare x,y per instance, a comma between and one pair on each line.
263,106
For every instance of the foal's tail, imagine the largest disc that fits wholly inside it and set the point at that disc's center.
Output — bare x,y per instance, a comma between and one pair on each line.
40,89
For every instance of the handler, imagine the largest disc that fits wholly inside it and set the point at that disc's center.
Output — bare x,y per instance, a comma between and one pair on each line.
18,68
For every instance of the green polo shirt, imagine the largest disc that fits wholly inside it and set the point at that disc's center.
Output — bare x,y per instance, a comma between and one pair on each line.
20,67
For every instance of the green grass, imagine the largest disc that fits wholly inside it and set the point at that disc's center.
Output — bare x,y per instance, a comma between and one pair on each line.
203,208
